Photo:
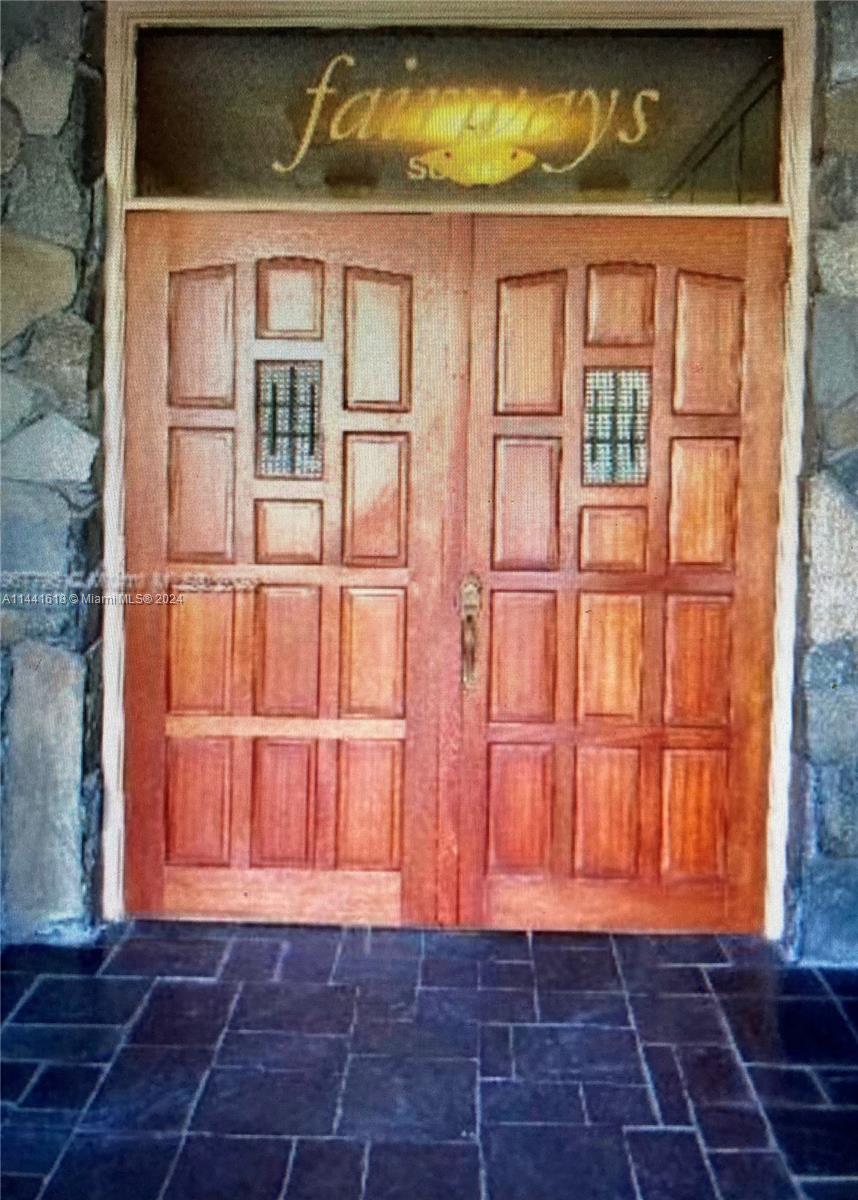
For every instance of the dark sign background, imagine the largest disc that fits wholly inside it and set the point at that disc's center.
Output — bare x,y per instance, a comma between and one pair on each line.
217,107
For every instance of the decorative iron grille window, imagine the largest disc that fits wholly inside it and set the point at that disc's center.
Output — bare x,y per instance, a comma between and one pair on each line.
616,426
288,436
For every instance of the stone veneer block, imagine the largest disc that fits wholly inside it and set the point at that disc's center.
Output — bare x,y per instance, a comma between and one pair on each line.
834,350
844,41
830,928
41,808
57,359
39,83
837,252
35,530
38,278
49,450
831,530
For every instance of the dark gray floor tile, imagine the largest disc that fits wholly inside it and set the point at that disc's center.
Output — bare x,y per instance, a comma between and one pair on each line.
32,1149
766,983
571,941
386,1001
61,1043
449,972
417,1039
850,1007
13,985
283,1051
228,1168
467,1004
790,1031
184,1013
495,1051
555,1163
752,951
732,1127
15,1078
321,938
817,1141
184,931
381,943
67,1087
637,951
39,1118
300,1008
388,970
155,956
303,965
556,1052
253,959
584,1008
428,1172
785,1085
96,1167
760,1176
249,1101
148,1089
666,981
514,1103
409,1099
576,971
506,974
82,1001
20,1187
679,948
53,960
712,1075
678,1019
329,1170
669,1166
667,1082
843,981
612,1104
831,1189
307,958
841,1087
500,945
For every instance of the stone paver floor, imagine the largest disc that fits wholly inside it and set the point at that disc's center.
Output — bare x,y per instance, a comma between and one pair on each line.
229,1062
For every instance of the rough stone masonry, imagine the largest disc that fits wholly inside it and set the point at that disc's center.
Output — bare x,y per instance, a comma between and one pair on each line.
52,247
823,877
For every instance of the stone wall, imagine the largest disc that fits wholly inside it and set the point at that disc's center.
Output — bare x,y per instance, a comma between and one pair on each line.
823,876
52,243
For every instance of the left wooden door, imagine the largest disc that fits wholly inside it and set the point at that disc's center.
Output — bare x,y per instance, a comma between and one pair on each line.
281,520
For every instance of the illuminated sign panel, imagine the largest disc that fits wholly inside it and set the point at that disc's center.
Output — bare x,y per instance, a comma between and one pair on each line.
440,114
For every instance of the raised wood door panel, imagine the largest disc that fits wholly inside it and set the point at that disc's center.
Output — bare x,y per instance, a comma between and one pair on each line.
622,463
284,450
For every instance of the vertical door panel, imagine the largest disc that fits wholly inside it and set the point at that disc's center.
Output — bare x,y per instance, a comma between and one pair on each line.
369,802
521,785
283,803
287,650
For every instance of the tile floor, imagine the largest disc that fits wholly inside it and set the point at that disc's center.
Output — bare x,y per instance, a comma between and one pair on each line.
221,1062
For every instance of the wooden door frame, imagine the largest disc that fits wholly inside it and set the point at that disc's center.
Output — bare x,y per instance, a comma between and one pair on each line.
794,18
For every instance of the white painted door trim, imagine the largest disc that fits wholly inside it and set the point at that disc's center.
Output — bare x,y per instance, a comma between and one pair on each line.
795,18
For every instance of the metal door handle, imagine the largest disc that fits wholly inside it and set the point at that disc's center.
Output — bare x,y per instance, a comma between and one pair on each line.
470,594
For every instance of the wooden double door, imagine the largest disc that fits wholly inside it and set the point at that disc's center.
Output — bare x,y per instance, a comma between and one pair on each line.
458,537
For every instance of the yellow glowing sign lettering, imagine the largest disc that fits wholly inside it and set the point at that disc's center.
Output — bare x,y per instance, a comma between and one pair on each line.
470,135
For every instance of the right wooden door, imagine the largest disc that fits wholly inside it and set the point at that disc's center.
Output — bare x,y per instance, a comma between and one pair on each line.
622,479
